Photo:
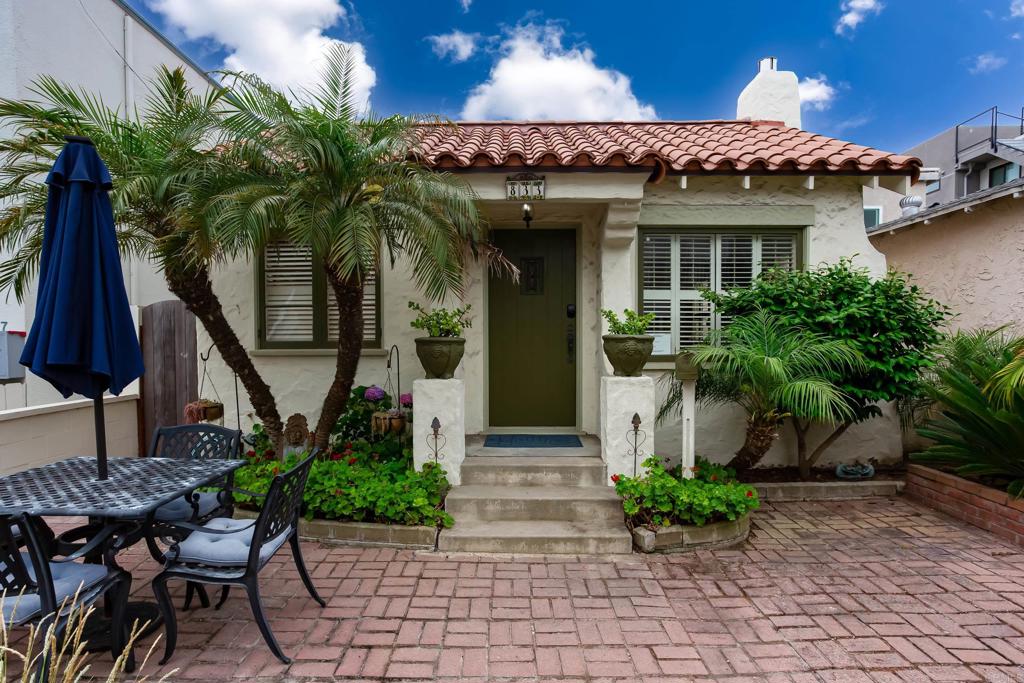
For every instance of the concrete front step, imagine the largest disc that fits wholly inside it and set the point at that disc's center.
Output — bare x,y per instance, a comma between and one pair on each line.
530,503
533,471
536,537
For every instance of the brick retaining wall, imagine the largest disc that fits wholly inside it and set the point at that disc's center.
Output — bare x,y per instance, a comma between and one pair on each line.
982,506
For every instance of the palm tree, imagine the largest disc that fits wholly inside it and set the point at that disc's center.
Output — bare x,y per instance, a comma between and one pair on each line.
350,187
166,169
774,371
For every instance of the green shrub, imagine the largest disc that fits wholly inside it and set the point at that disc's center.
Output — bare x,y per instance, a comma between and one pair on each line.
360,484
658,498
705,470
634,323
976,433
440,322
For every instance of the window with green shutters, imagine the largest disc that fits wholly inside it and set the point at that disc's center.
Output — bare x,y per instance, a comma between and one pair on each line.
676,265
296,306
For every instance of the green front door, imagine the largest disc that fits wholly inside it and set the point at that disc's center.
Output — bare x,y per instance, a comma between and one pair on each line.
532,331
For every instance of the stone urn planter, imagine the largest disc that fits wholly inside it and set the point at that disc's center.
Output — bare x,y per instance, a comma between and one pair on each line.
440,356
628,353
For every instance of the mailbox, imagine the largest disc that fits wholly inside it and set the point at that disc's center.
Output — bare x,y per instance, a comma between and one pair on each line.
11,344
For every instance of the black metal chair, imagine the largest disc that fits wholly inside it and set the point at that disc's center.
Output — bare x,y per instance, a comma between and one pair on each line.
192,442
231,552
38,587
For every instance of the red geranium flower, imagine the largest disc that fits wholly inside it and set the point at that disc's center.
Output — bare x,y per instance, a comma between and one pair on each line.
750,494
615,478
251,454
714,477
351,461
335,456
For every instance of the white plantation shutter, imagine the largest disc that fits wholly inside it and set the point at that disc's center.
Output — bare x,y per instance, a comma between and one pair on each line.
676,266
369,312
298,305
288,293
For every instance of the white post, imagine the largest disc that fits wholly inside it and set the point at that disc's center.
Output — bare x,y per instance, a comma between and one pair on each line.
686,373
444,399
688,423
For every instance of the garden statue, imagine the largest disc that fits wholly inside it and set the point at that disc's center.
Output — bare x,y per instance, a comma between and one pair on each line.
297,438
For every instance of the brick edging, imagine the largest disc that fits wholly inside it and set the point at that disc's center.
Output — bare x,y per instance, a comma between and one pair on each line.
968,501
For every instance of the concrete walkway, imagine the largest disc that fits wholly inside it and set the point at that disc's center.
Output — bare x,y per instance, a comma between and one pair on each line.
875,590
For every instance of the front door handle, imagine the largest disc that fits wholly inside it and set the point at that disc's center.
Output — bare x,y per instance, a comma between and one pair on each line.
570,311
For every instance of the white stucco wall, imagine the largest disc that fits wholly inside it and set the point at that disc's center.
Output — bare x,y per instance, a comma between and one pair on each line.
59,39
607,268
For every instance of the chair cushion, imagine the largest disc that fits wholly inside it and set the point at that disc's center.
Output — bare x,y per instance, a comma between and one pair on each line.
226,550
68,578
179,509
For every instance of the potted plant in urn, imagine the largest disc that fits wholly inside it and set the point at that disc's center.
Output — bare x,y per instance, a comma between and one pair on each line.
441,351
627,344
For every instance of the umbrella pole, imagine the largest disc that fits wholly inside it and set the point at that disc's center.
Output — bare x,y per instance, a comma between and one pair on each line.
101,436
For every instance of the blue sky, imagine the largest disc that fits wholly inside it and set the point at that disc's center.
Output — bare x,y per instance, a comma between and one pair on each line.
887,73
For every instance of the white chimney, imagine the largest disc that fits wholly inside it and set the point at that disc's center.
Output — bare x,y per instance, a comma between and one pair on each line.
771,96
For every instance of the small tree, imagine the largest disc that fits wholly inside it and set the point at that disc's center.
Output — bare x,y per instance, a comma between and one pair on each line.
887,320
774,370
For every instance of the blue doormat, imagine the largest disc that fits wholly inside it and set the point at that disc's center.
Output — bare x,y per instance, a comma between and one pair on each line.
532,441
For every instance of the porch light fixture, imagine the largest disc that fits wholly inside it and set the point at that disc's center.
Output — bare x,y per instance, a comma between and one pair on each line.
527,214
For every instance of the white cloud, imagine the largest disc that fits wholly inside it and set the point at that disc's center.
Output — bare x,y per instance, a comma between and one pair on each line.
855,12
457,45
537,78
283,41
1015,36
986,62
816,92
465,4
1017,8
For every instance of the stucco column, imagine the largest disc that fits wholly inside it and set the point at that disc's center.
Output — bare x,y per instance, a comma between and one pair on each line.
621,399
445,401
618,279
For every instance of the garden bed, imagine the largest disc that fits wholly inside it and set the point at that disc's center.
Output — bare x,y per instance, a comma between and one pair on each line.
982,506
680,538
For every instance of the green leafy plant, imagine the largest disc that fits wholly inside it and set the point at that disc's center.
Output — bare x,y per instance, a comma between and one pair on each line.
888,321
705,470
355,422
632,323
976,433
774,370
441,322
658,499
362,482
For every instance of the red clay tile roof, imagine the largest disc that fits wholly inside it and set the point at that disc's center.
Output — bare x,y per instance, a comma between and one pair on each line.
692,147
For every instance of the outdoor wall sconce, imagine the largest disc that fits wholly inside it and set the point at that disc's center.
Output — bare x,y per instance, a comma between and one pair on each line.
527,214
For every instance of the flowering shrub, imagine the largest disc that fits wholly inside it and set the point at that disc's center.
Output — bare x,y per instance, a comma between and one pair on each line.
658,498
361,484
355,423
405,400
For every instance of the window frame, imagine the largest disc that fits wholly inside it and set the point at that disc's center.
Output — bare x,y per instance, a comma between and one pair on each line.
798,231
880,211
320,314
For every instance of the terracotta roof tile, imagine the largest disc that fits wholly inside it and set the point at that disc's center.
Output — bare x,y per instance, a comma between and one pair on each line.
682,146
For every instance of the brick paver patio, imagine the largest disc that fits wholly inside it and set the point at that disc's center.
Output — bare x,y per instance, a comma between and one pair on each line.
874,590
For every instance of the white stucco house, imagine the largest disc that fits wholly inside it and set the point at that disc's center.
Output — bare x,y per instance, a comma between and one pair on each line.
633,215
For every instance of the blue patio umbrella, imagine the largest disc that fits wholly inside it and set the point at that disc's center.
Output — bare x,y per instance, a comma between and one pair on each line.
83,339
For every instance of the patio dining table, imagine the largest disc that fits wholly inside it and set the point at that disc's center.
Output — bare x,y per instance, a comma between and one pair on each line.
136,487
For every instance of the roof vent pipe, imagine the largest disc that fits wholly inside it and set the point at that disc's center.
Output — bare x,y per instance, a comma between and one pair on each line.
771,96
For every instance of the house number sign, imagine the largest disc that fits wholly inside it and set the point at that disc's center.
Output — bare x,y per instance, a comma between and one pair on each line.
525,187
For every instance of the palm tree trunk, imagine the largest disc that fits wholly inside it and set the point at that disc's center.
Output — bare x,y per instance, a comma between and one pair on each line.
760,436
803,464
348,294
195,289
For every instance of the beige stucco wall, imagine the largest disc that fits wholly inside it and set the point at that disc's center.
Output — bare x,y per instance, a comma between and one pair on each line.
606,208
969,261
42,434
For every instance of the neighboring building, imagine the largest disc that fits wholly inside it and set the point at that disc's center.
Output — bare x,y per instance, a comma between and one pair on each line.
634,215
985,151
103,47
966,253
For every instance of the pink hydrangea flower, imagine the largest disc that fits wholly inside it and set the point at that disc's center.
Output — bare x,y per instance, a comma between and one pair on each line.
405,400
374,393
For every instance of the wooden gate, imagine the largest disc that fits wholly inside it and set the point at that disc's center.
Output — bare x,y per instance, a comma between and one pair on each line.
171,380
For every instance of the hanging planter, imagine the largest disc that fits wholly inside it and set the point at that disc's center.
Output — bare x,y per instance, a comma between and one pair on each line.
390,421
203,410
